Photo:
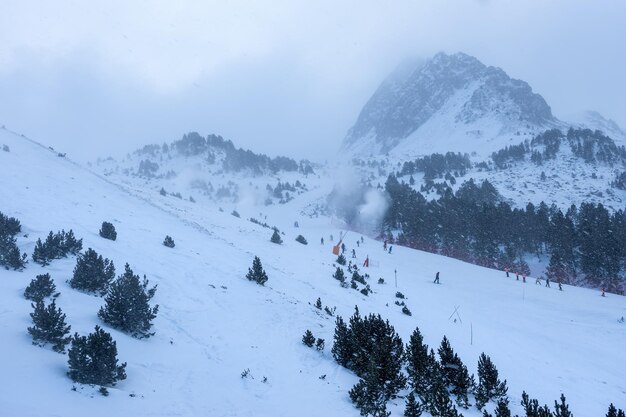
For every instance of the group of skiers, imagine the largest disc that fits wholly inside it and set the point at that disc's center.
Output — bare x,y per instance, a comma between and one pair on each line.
537,280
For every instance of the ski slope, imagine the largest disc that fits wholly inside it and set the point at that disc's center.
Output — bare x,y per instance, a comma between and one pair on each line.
213,324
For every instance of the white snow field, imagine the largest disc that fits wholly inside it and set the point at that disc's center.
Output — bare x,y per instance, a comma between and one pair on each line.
213,323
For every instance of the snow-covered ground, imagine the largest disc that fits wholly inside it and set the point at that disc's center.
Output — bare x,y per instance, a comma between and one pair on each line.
213,323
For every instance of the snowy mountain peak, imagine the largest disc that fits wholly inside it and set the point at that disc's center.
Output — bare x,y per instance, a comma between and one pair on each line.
450,97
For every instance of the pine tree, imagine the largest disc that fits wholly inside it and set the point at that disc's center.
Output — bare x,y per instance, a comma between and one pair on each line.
107,231
447,361
489,386
127,305
502,409
320,344
39,288
92,273
93,359
532,409
614,412
39,254
49,326
70,245
339,275
257,273
169,242
342,349
438,399
419,365
308,338
562,409
413,408
301,239
368,396
276,237
341,260
318,303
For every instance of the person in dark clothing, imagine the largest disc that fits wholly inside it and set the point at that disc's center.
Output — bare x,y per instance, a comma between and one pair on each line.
343,248
322,241
548,282
390,247
560,286
353,253
436,281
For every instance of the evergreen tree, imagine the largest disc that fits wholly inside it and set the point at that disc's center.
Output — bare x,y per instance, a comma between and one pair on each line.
532,409
320,344
257,273
169,242
127,305
342,350
308,338
463,383
341,260
301,239
502,408
318,303
39,288
438,399
92,273
276,237
93,359
69,243
489,386
49,326
107,231
39,254
368,396
413,408
339,275
614,412
10,255
419,365
447,361
561,409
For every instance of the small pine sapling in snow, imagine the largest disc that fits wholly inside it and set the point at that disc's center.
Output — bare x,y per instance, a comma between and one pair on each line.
353,285
92,273
235,213
318,303
107,231
614,412
49,326
301,239
93,359
319,344
341,260
276,237
399,294
339,275
330,312
308,339
169,242
413,408
127,305
381,281
406,310
39,288
562,409
257,273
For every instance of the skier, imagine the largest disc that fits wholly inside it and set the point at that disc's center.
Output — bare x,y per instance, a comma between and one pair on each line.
560,286
538,281
331,238
436,281
548,282
602,291
322,241
343,248
353,253
357,243
507,272
362,240
524,278
385,245
517,276
367,261
390,247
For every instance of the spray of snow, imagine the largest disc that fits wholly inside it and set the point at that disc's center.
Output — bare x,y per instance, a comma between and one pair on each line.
371,213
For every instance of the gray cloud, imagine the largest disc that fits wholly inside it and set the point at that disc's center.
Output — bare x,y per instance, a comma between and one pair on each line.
281,76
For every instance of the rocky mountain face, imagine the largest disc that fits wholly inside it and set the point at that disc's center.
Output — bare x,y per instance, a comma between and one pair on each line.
448,96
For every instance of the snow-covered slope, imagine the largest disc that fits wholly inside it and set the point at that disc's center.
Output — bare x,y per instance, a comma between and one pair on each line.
595,121
450,103
213,324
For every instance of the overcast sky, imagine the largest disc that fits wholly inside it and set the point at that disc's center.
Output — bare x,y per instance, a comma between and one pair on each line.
97,78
